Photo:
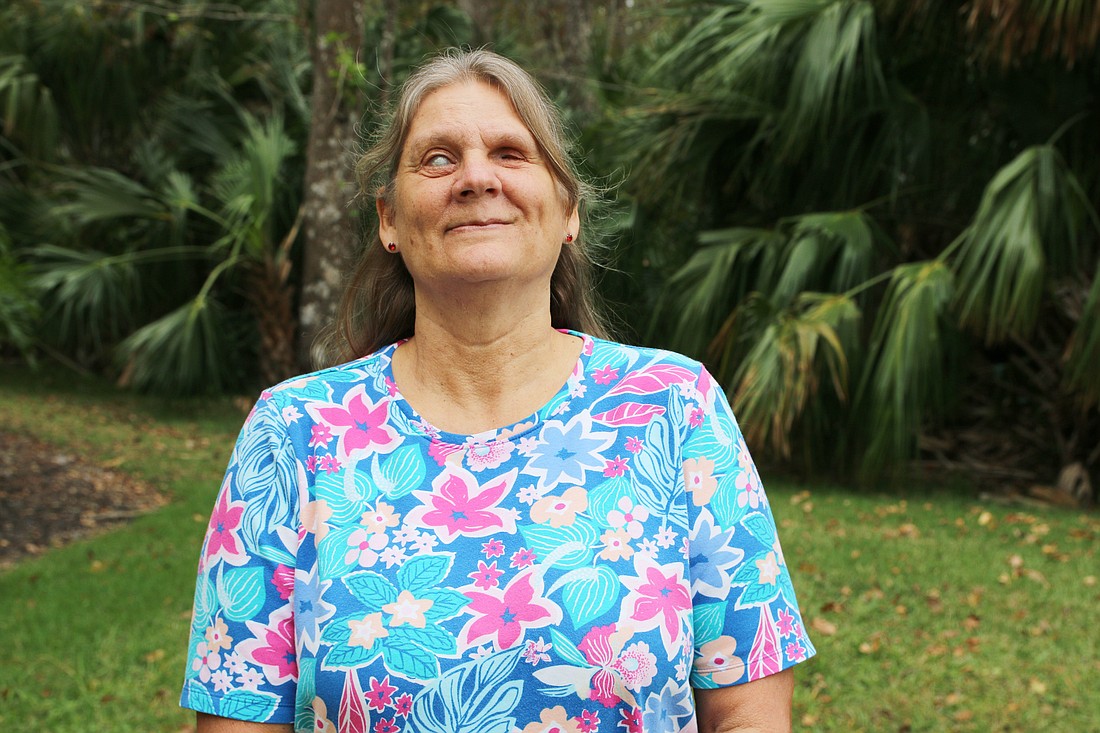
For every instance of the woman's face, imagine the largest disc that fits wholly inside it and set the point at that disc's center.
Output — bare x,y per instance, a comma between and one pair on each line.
475,203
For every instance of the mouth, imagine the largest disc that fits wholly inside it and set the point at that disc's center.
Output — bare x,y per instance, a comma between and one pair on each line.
476,225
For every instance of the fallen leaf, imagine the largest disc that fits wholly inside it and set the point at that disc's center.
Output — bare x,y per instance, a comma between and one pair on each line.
823,626
1090,580
985,519
1037,686
963,715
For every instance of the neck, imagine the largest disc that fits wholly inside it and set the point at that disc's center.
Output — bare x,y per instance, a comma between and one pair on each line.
471,367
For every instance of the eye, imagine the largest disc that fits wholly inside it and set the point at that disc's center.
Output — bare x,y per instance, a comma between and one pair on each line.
436,160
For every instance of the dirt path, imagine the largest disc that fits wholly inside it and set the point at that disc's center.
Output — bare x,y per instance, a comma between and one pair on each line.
50,496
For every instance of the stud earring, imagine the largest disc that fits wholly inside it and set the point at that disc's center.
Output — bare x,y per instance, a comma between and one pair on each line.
568,237
392,246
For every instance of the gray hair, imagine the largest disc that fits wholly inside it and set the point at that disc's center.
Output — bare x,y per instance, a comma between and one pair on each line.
378,306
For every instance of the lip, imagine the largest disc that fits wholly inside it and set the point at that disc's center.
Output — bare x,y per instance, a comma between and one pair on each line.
477,224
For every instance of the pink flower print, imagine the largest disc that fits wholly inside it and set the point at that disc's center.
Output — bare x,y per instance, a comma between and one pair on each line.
391,387
272,646
596,645
480,456
699,480
718,659
217,637
616,545
588,721
634,445
359,423
784,623
380,518
632,720
695,419
508,616
206,661
386,725
283,580
403,705
329,464
311,464
486,576
458,506
603,688
795,652
363,548
616,467
222,541
749,490
536,651
560,511
380,694
440,451
606,375
319,435
628,516
637,666
523,558
661,598
492,548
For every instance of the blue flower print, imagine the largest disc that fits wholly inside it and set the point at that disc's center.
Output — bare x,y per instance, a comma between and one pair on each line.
564,453
711,557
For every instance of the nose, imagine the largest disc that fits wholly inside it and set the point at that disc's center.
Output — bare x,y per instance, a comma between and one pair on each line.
477,177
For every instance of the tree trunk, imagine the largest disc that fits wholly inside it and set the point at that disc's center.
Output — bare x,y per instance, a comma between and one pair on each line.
329,232
567,28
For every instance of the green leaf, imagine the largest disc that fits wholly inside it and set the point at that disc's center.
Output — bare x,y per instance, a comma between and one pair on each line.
446,603
707,621
241,592
422,572
409,660
566,649
248,705
431,637
587,593
343,656
371,589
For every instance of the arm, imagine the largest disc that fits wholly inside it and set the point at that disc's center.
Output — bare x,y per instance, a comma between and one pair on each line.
763,706
214,724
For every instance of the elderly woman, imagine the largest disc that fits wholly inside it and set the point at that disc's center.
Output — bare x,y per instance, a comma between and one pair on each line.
490,519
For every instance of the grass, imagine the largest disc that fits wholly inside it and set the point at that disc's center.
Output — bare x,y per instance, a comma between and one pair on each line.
930,612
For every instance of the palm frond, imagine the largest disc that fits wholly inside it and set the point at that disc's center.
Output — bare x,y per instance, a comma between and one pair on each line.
1010,30
27,112
19,309
1027,226
903,374
183,352
1082,363
792,355
100,194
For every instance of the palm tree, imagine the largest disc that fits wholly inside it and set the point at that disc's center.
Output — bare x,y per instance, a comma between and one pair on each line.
887,223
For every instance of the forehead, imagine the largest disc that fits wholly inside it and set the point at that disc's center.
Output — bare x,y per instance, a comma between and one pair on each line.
465,108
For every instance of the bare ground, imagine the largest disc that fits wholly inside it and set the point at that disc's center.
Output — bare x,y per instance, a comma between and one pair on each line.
50,496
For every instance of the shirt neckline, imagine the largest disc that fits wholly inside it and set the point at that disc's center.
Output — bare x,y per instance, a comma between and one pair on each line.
554,406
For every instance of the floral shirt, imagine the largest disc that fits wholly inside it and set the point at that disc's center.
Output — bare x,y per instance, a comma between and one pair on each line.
581,570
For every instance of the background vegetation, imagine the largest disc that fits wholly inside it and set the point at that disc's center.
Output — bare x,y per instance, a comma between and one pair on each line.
876,221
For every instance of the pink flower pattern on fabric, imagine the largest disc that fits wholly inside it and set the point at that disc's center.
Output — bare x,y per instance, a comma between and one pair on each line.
364,570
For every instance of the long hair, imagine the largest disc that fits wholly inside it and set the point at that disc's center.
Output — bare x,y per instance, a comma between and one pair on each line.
378,306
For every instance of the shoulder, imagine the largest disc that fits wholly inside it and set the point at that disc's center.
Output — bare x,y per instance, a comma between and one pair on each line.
323,384
643,356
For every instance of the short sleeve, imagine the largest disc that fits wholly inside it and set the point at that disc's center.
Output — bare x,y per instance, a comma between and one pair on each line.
241,660
744,612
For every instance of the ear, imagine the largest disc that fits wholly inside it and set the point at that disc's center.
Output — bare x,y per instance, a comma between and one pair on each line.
387,231
573,223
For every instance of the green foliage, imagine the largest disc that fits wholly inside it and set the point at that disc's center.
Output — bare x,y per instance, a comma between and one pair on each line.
967,188
19,310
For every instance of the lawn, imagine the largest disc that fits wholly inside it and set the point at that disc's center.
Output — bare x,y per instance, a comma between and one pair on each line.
930,610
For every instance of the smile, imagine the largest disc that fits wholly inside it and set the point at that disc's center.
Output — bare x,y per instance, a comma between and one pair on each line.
477,225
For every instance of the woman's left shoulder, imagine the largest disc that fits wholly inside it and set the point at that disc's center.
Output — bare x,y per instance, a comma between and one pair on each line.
643,356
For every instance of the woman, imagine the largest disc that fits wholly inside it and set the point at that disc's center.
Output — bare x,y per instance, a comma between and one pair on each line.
495,520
